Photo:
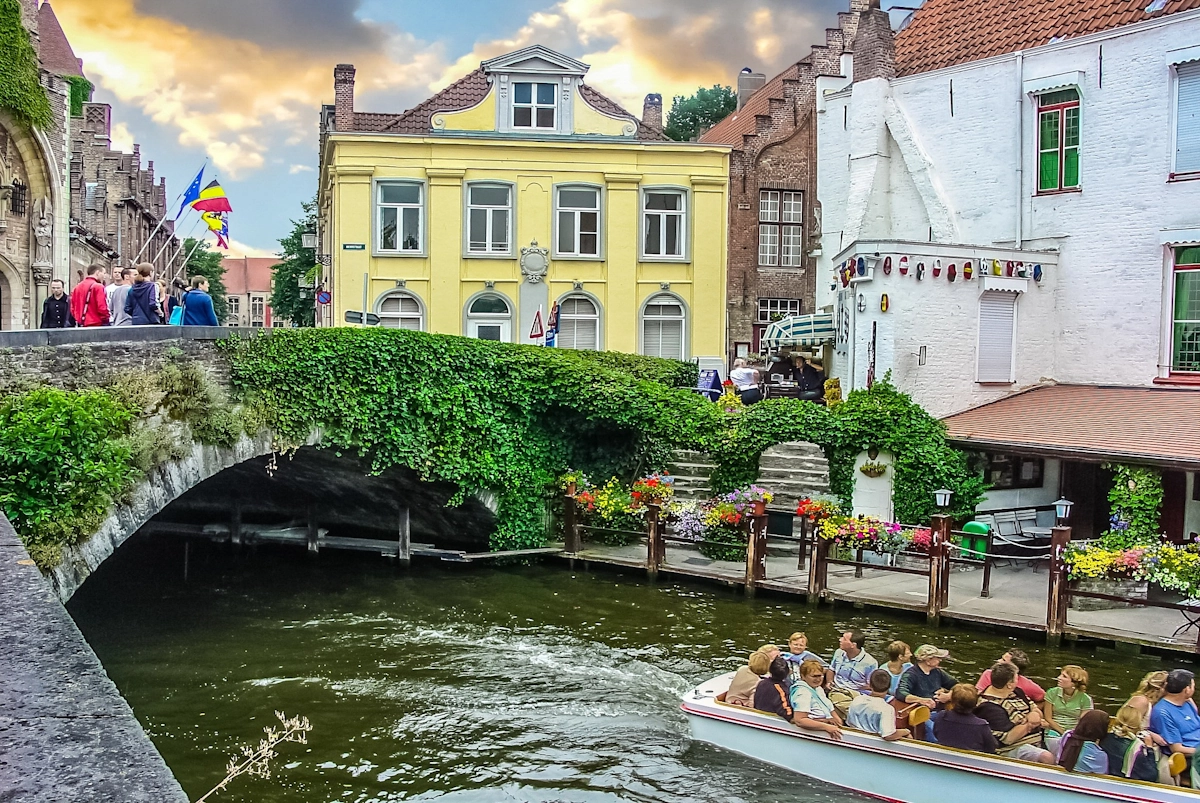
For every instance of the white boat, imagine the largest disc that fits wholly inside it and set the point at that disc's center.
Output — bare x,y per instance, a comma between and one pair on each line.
905,771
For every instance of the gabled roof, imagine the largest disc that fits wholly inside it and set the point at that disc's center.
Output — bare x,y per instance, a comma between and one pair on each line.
535,58
54,51
248,274
943,33
737,125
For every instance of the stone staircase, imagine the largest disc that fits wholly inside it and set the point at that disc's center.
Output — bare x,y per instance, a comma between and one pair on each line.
791,471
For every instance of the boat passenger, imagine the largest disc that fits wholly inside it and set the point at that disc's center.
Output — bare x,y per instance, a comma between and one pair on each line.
899,661
771,694
1149,691
798,652
745,681
850,670
1131,749
1067,701
1020,660
926,682
958,726
1079,749
871,712
1013,718
1175,717
814,710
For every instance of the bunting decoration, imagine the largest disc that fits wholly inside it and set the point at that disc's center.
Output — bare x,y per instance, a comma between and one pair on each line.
212,199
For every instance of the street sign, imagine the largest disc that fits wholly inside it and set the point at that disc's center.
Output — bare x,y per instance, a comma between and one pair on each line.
353,316
537,333
354,246
324,297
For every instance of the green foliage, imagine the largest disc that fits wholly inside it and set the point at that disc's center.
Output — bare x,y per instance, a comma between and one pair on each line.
21,93
63,459
672,373
295,266
1136,501
207,263
190,396
724,543
81,93
691,115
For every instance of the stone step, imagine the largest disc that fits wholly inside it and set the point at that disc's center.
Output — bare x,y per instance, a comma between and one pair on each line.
779,461
800,473
689,470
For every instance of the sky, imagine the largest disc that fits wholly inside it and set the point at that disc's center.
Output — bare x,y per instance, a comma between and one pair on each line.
241,82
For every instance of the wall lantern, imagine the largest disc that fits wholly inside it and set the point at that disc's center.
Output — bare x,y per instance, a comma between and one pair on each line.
862,303
942,496
1062,509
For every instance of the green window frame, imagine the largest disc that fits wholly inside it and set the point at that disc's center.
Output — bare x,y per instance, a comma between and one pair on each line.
1058,140
1185,307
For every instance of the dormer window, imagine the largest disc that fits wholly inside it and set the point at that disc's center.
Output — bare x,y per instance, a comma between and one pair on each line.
534,105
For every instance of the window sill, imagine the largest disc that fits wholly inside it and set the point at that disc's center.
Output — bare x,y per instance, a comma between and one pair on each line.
1178,379
1174,178
477,255
675,260
1066,191
401,254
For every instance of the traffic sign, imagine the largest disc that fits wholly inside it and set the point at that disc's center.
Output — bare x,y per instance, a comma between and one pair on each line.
353,316
537,333
324,297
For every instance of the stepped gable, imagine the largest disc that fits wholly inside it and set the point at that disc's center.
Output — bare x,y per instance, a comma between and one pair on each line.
54,50
943,33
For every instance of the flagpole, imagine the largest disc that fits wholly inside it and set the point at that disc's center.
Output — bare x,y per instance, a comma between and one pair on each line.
177,253
163,219
189,256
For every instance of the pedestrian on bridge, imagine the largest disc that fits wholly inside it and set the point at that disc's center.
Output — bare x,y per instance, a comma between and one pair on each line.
89,302
198,305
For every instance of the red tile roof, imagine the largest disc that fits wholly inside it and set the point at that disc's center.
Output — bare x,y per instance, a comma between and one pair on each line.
54,50
731,130
1152,425
248,274
943,33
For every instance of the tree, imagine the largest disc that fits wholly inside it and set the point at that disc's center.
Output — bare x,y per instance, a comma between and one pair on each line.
208,264
691,115
294,269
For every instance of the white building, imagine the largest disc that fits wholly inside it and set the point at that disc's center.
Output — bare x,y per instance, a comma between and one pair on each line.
1058,147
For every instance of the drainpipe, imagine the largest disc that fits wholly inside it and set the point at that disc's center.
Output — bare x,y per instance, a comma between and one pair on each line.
1020,207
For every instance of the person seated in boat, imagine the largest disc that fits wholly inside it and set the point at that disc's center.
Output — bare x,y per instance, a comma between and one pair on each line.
1132,751
1013,718
850,670
1175,717
1066,702
926,682
899,661
814,710
1079,748
958,726
771,693
798,652
871,712
1149,691
1020,660
745,680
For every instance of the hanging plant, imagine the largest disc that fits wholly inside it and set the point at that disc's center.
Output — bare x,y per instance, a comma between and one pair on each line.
873,469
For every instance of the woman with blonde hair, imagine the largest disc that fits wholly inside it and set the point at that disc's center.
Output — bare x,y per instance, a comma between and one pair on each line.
745,680
1065,703
1132,752
1149,691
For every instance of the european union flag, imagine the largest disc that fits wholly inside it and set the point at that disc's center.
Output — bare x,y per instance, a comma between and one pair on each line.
193,192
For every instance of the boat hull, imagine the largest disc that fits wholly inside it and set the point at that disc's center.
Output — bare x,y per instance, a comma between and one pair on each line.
905,771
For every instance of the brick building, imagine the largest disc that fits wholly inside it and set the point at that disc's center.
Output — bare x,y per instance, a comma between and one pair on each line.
248,291
774,214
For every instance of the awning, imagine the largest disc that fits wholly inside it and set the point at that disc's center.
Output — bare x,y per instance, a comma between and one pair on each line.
1089,423
800,330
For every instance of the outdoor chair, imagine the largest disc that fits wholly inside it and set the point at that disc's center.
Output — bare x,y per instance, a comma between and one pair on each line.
1007,539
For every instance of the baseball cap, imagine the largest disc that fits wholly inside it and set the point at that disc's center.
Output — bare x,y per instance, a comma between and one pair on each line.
927,651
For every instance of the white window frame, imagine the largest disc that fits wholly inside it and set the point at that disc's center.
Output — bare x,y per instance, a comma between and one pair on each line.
600,200
598,317
234,303
685,224
507,253
778,216
782,306
661,298
533,105
471,320
260,304
996,296
399,293
377,207
1190,70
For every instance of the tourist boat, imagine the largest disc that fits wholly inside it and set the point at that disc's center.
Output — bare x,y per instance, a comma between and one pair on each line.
905,771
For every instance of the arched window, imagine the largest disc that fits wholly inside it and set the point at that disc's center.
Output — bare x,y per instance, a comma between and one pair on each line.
578,324
489,317
663,327
401,311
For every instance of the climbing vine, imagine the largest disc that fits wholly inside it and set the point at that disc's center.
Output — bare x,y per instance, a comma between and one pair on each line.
1136,501
81,93
21,92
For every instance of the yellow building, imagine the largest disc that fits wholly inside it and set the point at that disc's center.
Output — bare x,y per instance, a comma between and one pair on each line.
517,188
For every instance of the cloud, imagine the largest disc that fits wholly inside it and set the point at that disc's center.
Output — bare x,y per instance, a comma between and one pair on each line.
294,169
232,96
238,249
121,138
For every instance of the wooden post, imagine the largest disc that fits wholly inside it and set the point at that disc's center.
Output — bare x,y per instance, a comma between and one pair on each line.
939,530
818,577
1056,604
986,591
756,552
947,552
404,540
235,523
313,545
655,553
571,542
803,541
187,552
858,568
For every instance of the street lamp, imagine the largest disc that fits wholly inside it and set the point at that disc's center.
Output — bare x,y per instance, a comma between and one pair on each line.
1062,509
942,495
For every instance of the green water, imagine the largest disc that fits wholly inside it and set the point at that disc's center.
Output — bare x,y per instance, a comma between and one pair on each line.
501,684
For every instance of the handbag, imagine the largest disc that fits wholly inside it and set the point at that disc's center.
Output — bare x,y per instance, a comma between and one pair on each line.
177,313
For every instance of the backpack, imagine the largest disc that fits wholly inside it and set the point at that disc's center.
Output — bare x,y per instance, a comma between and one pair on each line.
177,313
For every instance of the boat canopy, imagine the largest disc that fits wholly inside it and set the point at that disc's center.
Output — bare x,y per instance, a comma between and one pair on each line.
799,330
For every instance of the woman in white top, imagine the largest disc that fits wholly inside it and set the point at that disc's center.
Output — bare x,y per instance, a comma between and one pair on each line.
745,381
813,709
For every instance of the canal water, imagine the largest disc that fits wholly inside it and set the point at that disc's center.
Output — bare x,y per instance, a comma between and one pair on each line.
465,684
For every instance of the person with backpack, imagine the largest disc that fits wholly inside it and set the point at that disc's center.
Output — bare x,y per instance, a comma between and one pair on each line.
198,306
141,301
89,301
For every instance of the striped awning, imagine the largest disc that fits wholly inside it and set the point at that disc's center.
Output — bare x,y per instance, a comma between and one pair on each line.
800,330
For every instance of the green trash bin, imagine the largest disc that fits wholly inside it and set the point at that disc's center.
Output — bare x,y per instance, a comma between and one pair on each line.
974,543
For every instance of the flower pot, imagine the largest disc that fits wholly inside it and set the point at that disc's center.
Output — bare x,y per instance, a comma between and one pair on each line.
1130,589
758,508
570,489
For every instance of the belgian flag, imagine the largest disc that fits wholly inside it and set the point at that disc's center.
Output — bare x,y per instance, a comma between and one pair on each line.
212,199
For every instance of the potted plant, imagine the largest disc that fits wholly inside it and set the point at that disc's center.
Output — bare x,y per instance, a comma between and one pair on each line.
751,498
655,489
572,480
724,538
1116,572
873,469
621,520
818,508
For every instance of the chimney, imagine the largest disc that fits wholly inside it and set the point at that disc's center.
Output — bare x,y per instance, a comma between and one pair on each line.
343,97
652,112
874,50
749,82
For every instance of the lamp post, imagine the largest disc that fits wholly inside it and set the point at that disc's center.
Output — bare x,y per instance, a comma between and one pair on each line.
942,496
1062,509
939,557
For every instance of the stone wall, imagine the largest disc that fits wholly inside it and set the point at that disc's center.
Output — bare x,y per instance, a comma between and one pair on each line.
66,732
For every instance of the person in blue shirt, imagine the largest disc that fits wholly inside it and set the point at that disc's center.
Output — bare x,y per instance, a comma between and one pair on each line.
1079,749
198,306
849,672
1175,717
798,652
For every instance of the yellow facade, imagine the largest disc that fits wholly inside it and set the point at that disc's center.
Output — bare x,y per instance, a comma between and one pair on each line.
444,276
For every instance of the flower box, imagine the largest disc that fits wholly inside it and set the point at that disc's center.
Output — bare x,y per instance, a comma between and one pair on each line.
1122,587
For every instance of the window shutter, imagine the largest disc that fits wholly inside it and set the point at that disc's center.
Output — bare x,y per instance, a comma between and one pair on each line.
1187,132
997,327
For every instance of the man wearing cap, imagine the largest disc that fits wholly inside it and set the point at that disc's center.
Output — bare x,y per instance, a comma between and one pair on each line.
926,682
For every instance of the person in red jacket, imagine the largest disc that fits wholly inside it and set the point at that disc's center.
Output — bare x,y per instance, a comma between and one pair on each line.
89,306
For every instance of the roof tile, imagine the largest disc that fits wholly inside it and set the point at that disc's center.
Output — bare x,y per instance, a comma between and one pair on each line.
54,51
